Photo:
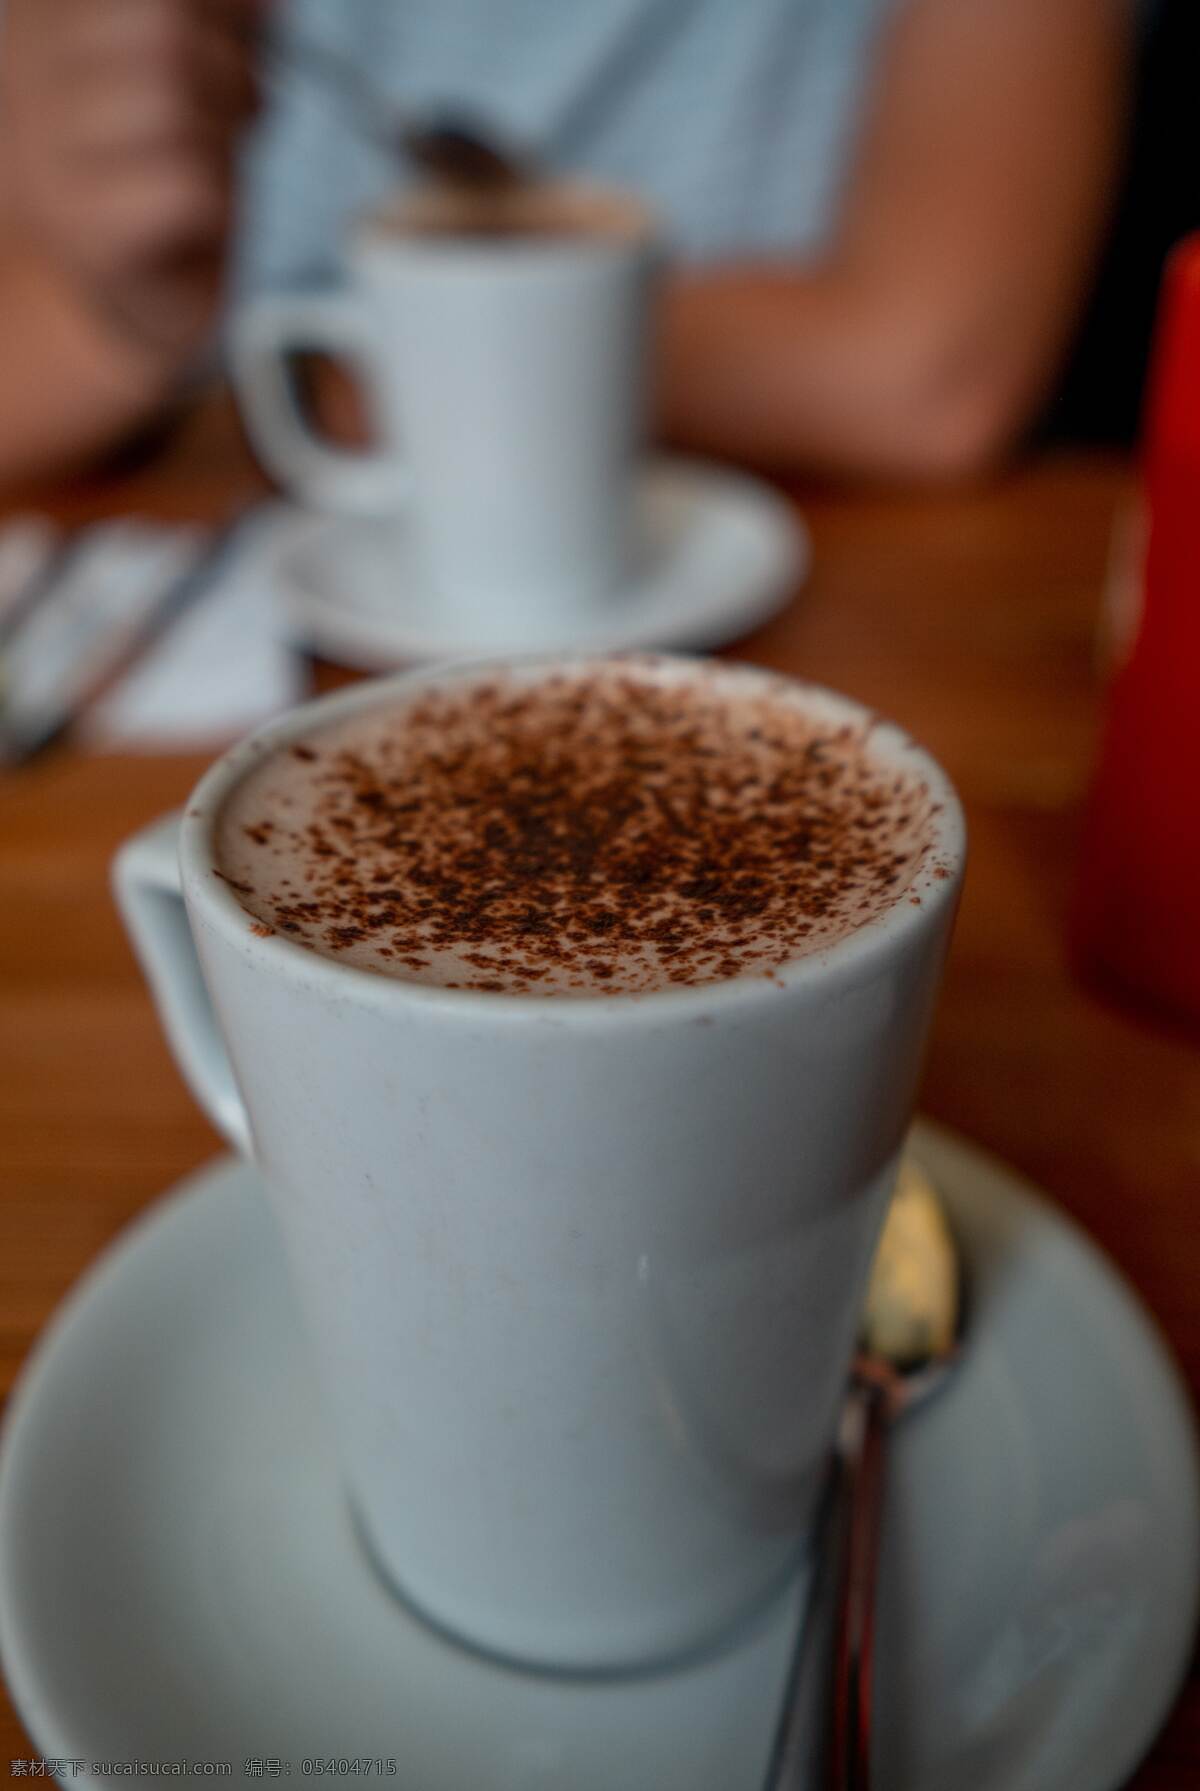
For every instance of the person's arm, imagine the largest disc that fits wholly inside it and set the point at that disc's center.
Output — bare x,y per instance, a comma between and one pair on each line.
920,346
118,125
70,389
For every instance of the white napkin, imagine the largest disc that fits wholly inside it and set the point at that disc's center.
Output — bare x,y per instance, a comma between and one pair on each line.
221,666
225,665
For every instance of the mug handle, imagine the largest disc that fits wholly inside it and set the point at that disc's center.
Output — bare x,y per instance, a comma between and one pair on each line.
367,481
149,893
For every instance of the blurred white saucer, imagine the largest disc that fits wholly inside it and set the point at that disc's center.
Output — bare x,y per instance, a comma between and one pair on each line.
720,554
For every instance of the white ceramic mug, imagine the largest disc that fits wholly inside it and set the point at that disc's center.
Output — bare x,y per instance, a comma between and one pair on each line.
582,1275
505,375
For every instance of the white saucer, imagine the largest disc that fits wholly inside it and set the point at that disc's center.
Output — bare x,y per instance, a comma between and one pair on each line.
720,554
179,1578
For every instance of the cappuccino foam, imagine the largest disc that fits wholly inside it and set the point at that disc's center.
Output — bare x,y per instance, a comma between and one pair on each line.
607,829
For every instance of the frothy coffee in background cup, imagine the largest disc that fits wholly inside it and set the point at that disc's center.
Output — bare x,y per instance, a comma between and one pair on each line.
579,1242
526,208
502,346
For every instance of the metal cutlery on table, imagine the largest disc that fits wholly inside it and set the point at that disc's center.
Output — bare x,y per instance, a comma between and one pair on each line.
71,631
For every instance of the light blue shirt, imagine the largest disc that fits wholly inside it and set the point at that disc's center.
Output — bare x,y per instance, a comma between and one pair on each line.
736,119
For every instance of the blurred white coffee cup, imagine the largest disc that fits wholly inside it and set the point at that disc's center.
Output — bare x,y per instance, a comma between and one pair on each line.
502,348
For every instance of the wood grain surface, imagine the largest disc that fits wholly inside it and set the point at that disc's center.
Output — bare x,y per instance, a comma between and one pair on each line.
970,618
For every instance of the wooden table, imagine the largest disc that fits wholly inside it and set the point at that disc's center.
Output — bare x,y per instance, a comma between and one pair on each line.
970,618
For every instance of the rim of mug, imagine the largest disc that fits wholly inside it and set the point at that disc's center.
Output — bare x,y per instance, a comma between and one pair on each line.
917,907
383,228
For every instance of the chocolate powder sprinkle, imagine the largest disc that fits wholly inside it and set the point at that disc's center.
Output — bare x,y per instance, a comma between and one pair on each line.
592,832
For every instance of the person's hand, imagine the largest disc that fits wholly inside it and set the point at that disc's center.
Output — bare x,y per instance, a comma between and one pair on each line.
119,123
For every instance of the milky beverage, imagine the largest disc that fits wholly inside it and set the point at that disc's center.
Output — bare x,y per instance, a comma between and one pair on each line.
534,210
604,830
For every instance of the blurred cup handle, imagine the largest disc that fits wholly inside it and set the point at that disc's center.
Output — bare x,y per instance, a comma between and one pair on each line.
149,895
367,481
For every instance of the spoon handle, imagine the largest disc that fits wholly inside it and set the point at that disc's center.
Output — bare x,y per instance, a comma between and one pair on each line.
289,53
850,1739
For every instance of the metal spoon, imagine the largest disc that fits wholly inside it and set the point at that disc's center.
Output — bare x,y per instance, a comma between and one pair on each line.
448,146
452,150
909,1338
